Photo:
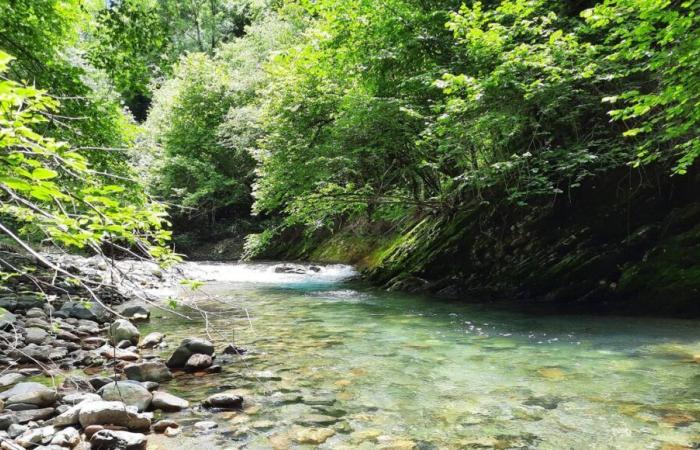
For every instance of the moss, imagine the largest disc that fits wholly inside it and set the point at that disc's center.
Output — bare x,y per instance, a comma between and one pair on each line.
347,247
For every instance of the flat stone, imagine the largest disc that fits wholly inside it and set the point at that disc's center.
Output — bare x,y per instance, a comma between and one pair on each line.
16,429
148,371
79,397
172,432
7,419
29,387
36,313
109,352
32,353
168,402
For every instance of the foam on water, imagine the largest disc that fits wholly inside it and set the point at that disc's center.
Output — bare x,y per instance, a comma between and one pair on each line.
264,273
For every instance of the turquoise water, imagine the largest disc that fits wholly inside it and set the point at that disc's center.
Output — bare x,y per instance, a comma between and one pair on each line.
389,370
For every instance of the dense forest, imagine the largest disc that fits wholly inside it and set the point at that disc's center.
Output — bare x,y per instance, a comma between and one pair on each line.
529,148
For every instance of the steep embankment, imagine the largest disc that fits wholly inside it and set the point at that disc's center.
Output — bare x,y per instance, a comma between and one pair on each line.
627,241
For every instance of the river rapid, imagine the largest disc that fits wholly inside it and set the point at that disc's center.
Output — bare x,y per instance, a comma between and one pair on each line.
332,363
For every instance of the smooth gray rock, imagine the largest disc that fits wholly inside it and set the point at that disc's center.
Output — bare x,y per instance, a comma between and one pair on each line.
16,430
36,313
117,440
122,329
114,413
130,392
32,353
148,371
168,402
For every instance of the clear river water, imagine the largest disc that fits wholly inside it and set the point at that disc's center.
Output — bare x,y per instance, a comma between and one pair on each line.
332,363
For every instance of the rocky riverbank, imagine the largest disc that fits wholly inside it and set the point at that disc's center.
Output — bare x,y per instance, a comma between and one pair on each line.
78,374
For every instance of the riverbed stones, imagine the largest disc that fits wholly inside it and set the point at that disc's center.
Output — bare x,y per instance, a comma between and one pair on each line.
112,413
317,420
187,348
122,329
130,392
26,388
168,402
148,371
32,415
198,361
224,401
152,339
117,440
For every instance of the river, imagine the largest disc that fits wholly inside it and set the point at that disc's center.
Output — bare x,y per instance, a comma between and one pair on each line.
390,370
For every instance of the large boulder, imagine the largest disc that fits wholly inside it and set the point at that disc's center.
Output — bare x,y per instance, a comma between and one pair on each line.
148,371
123,330
130,392
168,402
112,413
187,348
